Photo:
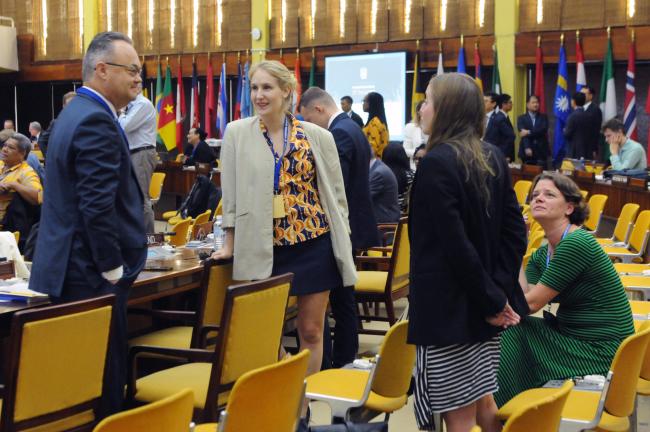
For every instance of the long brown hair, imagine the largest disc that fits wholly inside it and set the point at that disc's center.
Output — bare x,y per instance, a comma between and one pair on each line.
459,121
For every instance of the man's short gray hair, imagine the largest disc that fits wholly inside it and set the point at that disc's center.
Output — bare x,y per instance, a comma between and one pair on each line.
101,48
35,125
316,94
22,142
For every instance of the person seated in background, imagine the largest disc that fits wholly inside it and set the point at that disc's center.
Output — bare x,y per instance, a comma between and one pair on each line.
498,130
626,154
383,191
533,130
9,124
413,135
396,159
200,151
594,314
32,159
44,137
34,131
376,128
16,176
420,151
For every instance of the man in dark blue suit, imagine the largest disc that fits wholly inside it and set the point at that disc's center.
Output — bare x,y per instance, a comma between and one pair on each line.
318,107
91,239
498,130
533,129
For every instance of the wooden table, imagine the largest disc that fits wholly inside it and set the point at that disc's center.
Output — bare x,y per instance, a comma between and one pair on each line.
179,180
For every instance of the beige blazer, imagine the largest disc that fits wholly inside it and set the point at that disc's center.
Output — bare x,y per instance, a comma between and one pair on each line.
247,181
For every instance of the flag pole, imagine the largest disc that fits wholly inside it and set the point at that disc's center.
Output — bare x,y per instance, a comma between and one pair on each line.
562,39
539,41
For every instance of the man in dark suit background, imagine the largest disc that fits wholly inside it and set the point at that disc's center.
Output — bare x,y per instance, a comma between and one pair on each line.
318,107
580,143
595,116
91,239
533,129
346,106
498,130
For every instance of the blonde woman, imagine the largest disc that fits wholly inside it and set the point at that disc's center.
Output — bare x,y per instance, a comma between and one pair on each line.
284,205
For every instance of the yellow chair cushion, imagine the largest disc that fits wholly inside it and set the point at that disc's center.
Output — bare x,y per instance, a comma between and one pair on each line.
206,427
342,383
643,387
371,281
580,405
631,268
635,281
159,385
63,424
640,307
169,214
172,337
611,250
384,404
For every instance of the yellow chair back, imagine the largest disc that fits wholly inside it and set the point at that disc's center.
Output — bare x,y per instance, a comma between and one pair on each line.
393,374
219,209
156,185
625,221
182,230
172,414
56,364
534,240
584,194
542,415
640,231
596,206
522,189
567,165
273,393
203,217
219,279
17,236
645,365
401,256
626,368
527,257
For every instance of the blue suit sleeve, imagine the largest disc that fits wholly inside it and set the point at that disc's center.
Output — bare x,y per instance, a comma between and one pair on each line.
345,147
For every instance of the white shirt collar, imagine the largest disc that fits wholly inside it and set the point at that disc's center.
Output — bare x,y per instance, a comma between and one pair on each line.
586,105
110,105
335,115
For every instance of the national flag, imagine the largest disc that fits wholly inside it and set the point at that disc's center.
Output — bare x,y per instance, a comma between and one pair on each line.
143,75
417,94
607,86
312,70
158,96
561,108
209,101
441,67
194,103
539,79
581,77
629,117
298,93
461,58
477,68
222,104
180,108
647,111
496,77
167,116
246,109
236,115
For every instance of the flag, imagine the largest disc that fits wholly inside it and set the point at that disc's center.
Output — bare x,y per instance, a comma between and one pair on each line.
477,68
143,75
312,70
496,77
461,58
167,117
441,67
246,109
418,92
194,103
647,111
222,104
539,79
607,86
581,77
236,115
561,108
158,96
209,101
180,108
629,117
298,93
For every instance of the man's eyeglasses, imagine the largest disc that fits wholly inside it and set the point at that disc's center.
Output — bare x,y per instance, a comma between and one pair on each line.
132,70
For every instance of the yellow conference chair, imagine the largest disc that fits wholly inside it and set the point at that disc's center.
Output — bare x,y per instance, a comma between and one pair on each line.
608,410
596,207
643,384
633,269
53,375
584,194
522,189
155,187
380,390
640,309
266,399
638,240
182,230
199,222
623,226
534,240
216,277
541,415
172,414
385,286
249,337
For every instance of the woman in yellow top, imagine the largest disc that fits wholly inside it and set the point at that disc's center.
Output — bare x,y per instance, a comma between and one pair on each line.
376,128
284,205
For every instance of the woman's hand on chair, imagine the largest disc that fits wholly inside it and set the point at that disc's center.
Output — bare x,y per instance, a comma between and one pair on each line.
224,253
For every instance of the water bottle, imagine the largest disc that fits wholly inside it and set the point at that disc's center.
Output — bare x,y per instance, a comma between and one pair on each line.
218,233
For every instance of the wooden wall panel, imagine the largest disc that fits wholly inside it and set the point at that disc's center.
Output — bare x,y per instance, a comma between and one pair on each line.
432,19
615,13
63,41
583,14
291,24
238,24
398,24
21,12
642,16
552,15
203,23
365,22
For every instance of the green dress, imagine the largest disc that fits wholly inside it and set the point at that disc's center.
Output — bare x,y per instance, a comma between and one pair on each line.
593,318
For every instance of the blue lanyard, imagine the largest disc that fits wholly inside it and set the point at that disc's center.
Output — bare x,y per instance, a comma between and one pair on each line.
84,91
548,252
277,159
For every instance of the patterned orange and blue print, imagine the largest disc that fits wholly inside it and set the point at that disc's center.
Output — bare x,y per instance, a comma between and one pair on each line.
305,218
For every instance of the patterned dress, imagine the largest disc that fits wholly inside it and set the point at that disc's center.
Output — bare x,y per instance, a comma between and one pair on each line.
593,318
377,135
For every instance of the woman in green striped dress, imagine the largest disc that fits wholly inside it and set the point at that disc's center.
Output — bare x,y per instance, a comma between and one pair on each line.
594,315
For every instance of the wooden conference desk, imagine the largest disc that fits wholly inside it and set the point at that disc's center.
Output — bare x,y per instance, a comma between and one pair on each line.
179,180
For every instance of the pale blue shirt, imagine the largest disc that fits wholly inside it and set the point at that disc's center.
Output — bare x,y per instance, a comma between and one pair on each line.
631,155
139,123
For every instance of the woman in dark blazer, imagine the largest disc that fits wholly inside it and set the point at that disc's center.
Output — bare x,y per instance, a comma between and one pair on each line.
467,242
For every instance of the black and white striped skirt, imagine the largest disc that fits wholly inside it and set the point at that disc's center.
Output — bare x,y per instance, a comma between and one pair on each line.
453,376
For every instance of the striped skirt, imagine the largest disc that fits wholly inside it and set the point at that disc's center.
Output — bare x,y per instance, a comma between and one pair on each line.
453,376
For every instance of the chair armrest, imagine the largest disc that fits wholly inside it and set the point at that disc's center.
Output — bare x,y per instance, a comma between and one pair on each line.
203,334
387,226
173,315
359,259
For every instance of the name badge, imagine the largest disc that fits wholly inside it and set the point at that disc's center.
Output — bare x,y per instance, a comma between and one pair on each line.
278,207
